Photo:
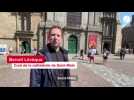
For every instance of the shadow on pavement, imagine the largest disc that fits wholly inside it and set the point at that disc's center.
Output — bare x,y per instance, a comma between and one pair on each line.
99,63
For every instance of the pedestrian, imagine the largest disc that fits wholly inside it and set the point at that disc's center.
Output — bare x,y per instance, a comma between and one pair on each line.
91,54
81,54
122,53
10,50
53,52
105,56
34,51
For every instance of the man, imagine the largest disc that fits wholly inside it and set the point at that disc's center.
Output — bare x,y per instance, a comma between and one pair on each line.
122,53
81,54
53,52
105,55
92,52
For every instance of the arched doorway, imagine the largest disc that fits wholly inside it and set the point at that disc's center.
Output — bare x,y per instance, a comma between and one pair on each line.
72,44
106,46
25,47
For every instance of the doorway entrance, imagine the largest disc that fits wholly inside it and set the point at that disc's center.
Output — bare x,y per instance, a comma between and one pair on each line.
72,44
25,47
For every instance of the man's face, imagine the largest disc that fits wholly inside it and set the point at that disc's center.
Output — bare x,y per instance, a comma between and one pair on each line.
55,37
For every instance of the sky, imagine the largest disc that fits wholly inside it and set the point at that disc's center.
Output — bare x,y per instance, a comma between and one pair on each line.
125,18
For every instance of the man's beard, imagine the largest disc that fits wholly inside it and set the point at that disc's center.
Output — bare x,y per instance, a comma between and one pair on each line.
53,46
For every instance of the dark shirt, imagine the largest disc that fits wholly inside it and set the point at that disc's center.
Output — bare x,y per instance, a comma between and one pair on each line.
122,52
49,77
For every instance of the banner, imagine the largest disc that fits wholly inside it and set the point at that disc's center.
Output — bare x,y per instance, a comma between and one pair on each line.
92,41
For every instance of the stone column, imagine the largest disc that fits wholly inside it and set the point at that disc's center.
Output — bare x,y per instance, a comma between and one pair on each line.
17,45
31,44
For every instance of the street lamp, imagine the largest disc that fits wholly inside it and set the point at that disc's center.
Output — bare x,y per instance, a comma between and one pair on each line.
86,35
103,32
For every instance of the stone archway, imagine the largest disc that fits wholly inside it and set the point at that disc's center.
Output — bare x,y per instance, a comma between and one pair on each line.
25,47
107,46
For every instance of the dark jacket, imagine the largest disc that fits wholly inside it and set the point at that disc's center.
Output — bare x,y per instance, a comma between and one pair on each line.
122,52
48,77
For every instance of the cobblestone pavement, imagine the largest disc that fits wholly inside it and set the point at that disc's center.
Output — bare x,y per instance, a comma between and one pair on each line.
115,71
13,78
87,78
10,77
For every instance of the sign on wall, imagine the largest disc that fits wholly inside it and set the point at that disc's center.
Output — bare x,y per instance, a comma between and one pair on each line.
3,49
92,40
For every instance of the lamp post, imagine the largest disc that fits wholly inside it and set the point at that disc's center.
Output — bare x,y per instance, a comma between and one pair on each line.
44,28
86,35
38,38
102,40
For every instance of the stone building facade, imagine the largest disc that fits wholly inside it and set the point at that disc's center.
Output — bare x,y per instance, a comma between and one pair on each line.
128,35
78,27
16,33
29,30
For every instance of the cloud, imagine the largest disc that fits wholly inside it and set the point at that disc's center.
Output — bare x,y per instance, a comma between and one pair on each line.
126,19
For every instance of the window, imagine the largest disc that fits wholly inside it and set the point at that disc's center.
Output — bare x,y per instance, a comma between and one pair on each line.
43,16
25,21
109,14
74,19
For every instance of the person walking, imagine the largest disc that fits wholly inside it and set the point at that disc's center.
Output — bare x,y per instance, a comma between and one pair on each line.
105,56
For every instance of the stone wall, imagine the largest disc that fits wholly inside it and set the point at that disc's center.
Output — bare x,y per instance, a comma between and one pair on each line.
7,25
118,38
